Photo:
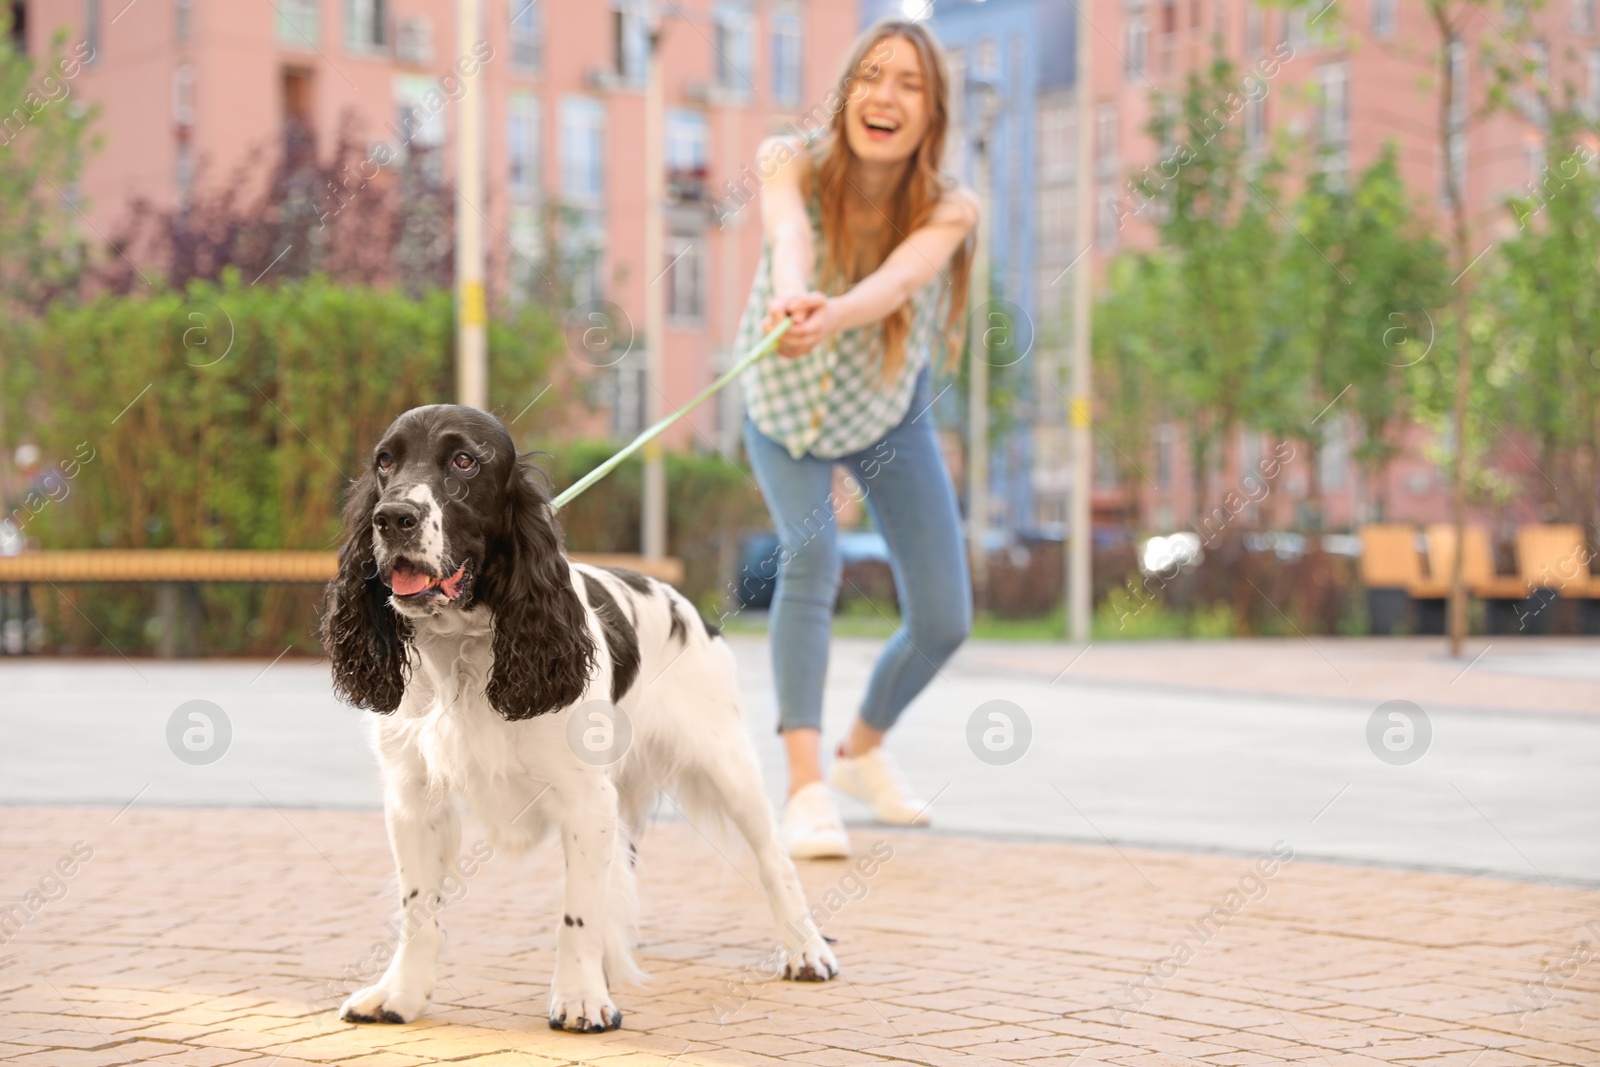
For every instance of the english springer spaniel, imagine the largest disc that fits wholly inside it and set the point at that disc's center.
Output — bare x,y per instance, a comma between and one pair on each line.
457,616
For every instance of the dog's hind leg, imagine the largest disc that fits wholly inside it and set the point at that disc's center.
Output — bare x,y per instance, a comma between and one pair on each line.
728,771
426,839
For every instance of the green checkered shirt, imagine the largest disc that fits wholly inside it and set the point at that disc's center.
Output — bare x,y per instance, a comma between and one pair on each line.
833,401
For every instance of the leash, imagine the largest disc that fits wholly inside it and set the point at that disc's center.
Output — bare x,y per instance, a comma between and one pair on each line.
762,349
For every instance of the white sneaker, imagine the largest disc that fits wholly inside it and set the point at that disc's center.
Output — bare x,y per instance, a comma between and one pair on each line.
873,778
812,828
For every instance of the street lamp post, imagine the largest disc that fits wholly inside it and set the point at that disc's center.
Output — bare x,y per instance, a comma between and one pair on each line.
653,506
472,315
1079,592
985,94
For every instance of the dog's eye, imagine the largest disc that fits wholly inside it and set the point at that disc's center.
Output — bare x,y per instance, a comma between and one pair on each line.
464,462
385,461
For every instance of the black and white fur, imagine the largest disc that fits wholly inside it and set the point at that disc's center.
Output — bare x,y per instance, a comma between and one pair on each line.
474,680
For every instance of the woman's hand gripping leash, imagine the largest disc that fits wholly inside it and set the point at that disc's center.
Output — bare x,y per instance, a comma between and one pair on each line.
814,317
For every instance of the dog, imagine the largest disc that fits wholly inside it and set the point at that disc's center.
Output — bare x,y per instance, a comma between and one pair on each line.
548,694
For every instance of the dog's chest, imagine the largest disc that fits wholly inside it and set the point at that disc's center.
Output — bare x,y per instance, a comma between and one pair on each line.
458,735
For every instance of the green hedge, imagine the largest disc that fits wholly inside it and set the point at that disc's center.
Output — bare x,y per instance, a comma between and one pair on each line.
197,443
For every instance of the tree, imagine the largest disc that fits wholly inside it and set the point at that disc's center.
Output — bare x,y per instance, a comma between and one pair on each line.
44,139
1457,118
1547,301
1218,228
1358,299
1131,335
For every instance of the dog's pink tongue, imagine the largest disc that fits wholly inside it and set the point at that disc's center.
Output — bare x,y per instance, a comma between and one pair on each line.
405,581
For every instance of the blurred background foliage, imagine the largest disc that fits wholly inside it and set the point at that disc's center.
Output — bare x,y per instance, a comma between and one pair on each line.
281,392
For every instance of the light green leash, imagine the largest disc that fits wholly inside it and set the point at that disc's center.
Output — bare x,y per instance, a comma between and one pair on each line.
763,349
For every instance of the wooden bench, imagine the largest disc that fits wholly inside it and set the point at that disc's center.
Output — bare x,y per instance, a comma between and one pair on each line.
1552,560
1391,572
180,571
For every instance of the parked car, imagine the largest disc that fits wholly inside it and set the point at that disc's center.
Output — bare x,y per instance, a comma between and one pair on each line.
863,553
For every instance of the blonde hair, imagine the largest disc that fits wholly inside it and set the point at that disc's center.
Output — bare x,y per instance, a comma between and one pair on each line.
847,261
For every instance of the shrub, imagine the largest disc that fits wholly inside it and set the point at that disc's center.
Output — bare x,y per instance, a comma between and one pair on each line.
229,416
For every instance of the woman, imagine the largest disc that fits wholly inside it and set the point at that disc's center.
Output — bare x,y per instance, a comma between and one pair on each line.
866,251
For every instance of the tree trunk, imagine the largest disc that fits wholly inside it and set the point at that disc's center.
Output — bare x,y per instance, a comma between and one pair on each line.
1457,613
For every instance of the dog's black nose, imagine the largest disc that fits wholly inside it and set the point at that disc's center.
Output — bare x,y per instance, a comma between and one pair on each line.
398,515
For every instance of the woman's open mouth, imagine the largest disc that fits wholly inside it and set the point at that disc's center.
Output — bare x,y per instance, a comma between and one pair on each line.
413,583
879,127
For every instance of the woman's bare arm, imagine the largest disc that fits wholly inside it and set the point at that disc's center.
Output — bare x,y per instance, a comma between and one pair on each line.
911,265
783,215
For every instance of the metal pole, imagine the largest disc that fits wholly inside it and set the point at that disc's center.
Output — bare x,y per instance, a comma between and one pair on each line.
978,374
1079,591
472,315
653,509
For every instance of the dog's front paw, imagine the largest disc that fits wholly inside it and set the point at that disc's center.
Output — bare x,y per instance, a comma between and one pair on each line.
584,1013
380,1004
814,963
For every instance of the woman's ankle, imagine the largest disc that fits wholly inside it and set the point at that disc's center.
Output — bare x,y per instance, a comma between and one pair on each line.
860,740
798,782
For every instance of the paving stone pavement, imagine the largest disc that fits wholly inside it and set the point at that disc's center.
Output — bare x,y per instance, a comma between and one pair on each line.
207,936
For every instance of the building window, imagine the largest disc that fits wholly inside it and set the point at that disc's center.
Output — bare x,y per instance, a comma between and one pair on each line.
182,20
1533,155
522,145
183,95
1294,29
687,141
1255,122
1105,235
1219,20
296,87
988,65
1583,16
413,41
527,43
1055,223
1334,459
1592,62
1333,105
1135,45
1105,140
366,25
91,28
630,39
1255,29
526,243
1058,141
686,278
733,44
421,127
1383,18
582,149
297,23
786,69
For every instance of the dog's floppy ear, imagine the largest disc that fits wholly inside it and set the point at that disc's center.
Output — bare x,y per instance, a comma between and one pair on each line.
365,638
543,654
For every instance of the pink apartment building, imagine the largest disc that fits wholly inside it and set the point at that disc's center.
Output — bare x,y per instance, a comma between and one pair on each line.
1352,76
189,87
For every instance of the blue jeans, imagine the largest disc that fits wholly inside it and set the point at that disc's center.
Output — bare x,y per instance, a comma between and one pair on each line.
912,503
